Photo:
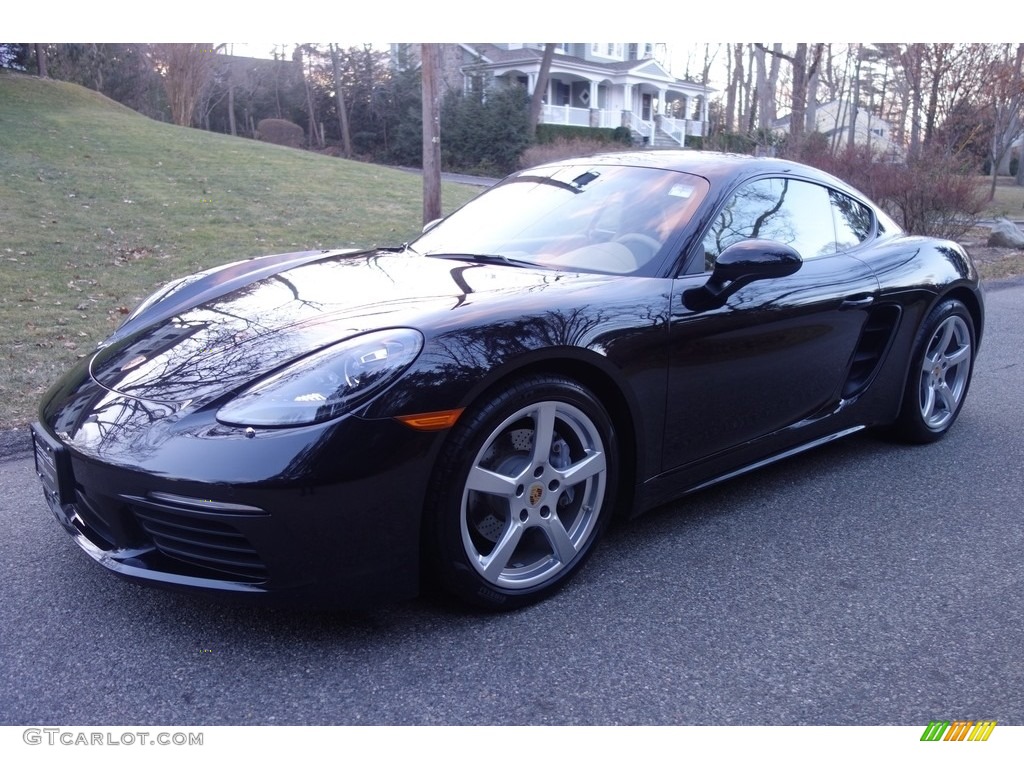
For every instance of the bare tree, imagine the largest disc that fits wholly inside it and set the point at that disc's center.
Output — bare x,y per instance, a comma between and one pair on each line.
185,68
541,88
1007,104
306,53
339,94
766,85
41,69
854,105
804,71
733,92
803,74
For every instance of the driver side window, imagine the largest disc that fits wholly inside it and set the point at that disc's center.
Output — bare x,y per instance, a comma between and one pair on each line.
788,211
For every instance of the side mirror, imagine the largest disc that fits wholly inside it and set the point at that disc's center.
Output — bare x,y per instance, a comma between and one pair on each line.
742,263
431,224
755,260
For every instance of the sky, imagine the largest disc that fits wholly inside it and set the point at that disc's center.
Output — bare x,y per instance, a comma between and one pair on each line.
676,24
680,26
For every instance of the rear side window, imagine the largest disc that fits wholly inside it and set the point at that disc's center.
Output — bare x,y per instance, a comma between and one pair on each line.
853,220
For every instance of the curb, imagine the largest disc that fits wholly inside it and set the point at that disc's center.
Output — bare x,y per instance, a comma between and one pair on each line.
15,443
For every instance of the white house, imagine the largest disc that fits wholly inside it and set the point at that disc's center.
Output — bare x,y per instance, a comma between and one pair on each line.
833,120
597,85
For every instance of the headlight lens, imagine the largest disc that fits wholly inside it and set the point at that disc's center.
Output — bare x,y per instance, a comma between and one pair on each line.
328,383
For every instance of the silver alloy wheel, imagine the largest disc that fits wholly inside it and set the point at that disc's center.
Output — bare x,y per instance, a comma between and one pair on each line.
945,372
533,495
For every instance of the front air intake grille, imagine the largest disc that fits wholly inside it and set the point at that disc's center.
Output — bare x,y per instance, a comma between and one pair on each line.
192,537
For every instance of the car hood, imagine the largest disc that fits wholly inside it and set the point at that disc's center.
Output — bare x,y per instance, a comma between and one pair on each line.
242,326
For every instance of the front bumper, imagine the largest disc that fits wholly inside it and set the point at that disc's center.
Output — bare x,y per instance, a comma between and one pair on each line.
343,538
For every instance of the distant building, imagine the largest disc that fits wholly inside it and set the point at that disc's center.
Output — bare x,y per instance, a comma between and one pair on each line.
833,120
596,85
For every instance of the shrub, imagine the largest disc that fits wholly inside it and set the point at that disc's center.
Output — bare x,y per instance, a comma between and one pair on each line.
484,135
548,133
740,143
563,149
934,194
282,132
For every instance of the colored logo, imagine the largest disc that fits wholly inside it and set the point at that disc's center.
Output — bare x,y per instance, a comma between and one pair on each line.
958,730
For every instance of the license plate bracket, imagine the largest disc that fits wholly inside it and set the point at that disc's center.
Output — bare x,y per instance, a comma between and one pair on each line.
53,466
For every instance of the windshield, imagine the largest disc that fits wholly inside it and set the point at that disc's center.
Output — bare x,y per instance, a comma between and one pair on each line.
591,218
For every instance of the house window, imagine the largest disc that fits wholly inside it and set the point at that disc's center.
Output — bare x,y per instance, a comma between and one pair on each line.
474,85
563,93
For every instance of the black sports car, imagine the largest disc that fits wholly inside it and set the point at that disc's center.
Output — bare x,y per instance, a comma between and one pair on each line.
586,340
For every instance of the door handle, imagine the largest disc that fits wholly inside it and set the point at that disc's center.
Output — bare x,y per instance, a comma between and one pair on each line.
857,302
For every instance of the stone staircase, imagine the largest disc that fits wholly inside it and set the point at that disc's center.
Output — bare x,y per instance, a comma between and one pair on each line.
661,141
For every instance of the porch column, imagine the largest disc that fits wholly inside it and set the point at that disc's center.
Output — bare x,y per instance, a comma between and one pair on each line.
661,102
595,113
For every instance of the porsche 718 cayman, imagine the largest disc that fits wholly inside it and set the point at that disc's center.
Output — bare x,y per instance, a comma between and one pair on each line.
585,340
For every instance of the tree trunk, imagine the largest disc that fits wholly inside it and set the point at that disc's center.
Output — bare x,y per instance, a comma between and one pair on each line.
914,59
767,84
798,105
346,136
430,56
854,103
41,67
734,94
540,89
749,105
231,106
938,55
310,106
773,82
811,123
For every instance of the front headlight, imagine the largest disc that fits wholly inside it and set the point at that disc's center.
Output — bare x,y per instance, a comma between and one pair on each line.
326,384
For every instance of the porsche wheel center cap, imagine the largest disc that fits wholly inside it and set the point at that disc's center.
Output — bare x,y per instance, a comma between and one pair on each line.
536,494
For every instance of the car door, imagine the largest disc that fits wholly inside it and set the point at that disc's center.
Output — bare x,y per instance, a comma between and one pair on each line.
775,351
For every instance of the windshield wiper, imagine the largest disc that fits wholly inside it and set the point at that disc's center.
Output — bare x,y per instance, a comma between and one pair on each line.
483,258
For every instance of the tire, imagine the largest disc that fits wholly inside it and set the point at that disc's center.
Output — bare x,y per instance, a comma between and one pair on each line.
940,374
523,491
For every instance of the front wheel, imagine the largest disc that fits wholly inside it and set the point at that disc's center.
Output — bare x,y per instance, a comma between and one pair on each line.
523,491
940,374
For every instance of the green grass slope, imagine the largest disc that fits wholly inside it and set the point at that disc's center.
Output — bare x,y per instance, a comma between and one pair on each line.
99,205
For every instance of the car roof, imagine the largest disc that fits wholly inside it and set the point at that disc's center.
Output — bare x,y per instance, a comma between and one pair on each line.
719,168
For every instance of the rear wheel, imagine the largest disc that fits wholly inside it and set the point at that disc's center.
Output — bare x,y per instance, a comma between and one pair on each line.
940,374
523,492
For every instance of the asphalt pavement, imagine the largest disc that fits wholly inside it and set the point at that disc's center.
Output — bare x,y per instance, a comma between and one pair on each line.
864,583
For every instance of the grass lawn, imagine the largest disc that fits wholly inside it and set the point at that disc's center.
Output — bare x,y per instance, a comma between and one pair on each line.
1008,201
99,205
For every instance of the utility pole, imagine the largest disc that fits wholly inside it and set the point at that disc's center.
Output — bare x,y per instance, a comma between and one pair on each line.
430,61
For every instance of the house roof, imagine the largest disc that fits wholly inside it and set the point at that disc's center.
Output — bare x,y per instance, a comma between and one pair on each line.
491,54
